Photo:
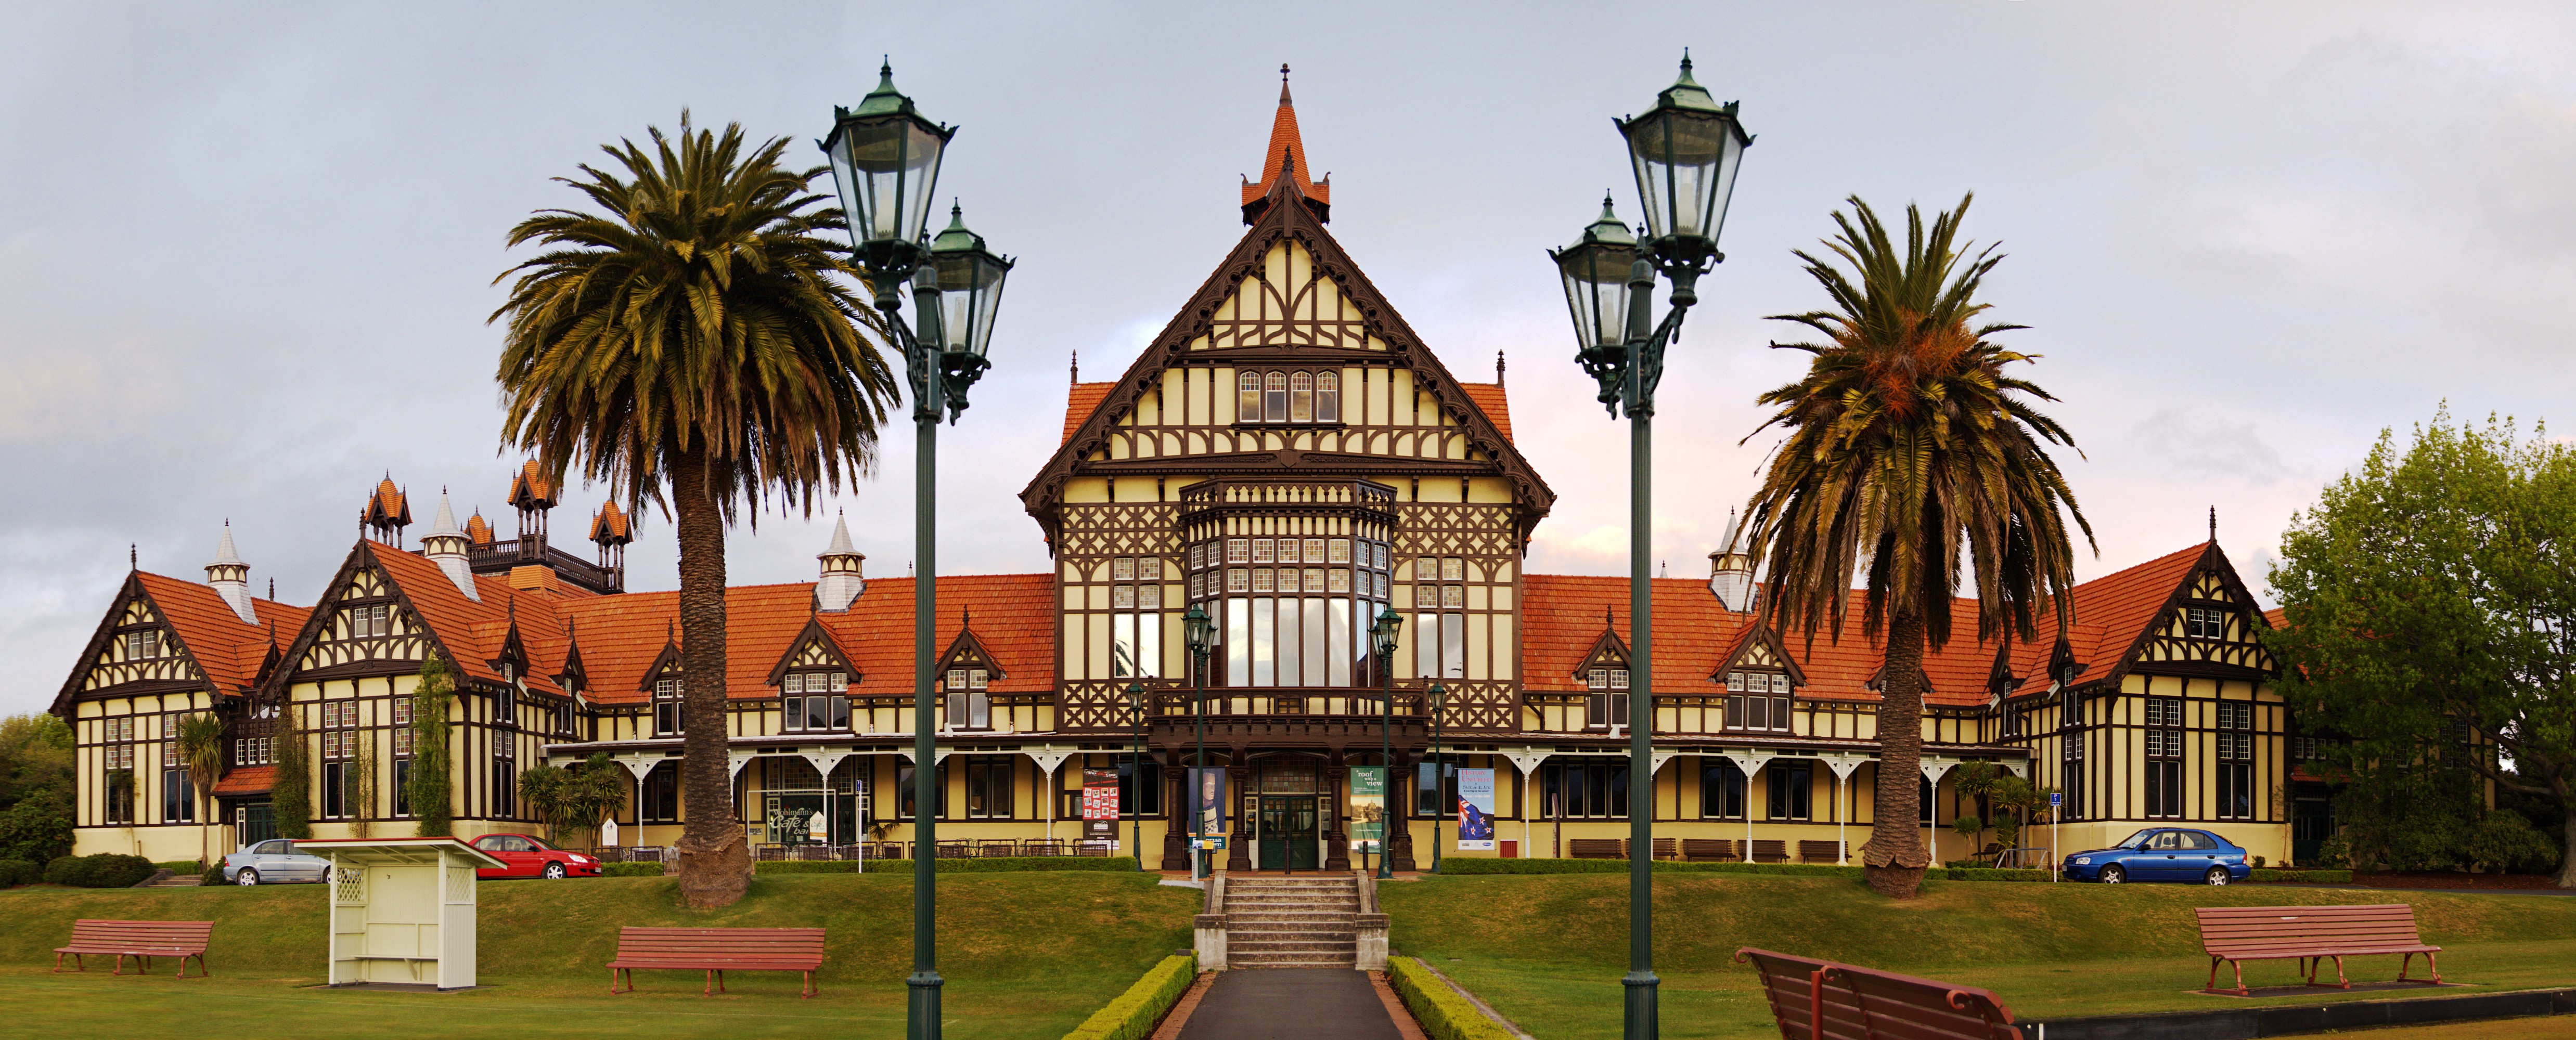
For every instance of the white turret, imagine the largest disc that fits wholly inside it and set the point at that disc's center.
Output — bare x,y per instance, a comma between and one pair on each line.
445,546
842,582
230,578
1730,570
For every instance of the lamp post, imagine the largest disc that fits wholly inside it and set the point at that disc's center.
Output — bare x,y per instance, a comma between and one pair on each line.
1136,775
1439,773
885,163
1685,152
1200,635
1382,639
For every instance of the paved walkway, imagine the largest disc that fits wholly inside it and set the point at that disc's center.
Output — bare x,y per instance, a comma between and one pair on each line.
1292,1004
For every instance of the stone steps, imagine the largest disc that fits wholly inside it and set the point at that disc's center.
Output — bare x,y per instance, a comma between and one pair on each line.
1292,922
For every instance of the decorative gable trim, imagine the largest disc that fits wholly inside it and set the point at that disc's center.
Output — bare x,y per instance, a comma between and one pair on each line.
1760,649
966,651
2212,564
326,607
666,665
814,641
192,677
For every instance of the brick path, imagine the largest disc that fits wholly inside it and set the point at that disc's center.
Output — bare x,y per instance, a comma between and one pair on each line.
1297,1004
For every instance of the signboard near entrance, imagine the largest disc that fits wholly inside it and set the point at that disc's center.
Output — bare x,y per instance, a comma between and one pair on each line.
1475,810
1368,807
1100,804
1207,798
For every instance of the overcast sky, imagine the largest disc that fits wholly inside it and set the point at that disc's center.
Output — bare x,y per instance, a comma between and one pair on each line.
247,252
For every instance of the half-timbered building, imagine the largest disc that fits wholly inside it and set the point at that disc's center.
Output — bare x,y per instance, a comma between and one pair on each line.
1288,457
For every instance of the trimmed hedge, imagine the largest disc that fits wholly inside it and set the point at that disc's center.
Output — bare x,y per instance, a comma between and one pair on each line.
1665,866
1135,1013
994,865
2304,877
181,866
630,870
214,875
16,872
1444,1014
102,870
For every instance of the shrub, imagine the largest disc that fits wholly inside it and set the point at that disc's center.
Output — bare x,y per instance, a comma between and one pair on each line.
16,872
179,866
1986,874
37,829
997,864
103,870
1620,866
2304,877
214,875
630,870
1444,1014
1134,1014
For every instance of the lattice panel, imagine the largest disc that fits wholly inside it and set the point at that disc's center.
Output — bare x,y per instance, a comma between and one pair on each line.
460,884
1480,706
1454,530
349,886
1120,529
1095,706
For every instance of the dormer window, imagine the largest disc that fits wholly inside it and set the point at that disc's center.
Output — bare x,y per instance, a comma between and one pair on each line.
1757,701
815,701
667,721
969,707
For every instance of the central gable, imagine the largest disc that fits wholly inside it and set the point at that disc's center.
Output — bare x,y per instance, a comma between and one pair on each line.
1286,359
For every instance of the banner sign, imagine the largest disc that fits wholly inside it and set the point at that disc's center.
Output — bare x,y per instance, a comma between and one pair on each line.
1368,806
1207,798
1100,794
1475,809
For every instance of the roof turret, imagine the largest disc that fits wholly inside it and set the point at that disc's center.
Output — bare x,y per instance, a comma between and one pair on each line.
1284,169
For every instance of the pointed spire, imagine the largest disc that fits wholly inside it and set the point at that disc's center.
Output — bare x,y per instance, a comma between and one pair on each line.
230,578
1284,168
1498,368
2213,523
133,561
446,545
224,551
1077,366
445,523
843,579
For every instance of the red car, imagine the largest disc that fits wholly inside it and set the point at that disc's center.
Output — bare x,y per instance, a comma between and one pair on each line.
530,856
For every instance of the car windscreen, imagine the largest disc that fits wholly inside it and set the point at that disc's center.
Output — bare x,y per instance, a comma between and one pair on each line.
536,844
2138,840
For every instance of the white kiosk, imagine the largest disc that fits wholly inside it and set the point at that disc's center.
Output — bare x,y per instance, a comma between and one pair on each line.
402,909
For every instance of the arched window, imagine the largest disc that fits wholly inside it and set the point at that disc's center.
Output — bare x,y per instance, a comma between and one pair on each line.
1301,397
1248,404
1328,397
1274,405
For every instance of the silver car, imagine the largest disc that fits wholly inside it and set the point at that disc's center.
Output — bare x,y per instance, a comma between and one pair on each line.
272,862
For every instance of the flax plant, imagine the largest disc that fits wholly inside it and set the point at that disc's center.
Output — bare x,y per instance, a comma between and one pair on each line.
697,344
1911,458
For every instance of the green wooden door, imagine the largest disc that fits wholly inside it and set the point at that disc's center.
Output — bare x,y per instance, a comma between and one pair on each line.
1289,832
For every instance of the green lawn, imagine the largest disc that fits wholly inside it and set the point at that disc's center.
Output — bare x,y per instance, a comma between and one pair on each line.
1024,955
1547,951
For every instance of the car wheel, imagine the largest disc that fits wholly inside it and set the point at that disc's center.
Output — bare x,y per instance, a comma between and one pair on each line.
2217,877
2114,875
554,871
246,877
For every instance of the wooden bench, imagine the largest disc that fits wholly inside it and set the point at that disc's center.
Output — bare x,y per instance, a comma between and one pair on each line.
1702,850
144,939
2310,934
1820,851
717,951
1598,848
1767,851
1854,1003
1667,848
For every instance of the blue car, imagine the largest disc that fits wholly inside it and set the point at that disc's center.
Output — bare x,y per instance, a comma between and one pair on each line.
2163,854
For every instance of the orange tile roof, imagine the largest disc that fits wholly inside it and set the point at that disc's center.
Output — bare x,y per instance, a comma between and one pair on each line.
477,529
246,780
1079,403
1489,399
530,488
611,524
1288,148
386,503
227,648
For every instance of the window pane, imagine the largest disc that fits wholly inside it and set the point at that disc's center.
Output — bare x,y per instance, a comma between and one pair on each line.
1238,641
1261,551
1328,397
818,713
1149,646
979,710
1265,645
1453,646
1122,649
1337,633
1340,551
1248,408
1301,398
1758,712
1290,653
793,717
1275,403
1337,580
1779,713
840,713
1238,550
1313,628
1426,645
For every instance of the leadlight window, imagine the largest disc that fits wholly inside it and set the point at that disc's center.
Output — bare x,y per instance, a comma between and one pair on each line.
372,620
815,701
1274,403
1288,397
1328,397
1248,407
2204,623
1301,397
2236,760
667,718
1757,701
969,707
2164,736
143,644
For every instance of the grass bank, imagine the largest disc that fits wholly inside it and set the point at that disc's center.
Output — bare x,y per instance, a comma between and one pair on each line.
1024,955
1547,951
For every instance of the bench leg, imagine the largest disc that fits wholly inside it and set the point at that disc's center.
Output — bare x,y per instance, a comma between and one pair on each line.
809,987
2240,978
120,965
720,980
2433,966
2403,963
2340,981
711,984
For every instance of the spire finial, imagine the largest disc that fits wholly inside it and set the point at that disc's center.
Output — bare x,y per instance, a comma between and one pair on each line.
1283,83
272,595
1077,364
1498,368
1686,64
132,560
2213,523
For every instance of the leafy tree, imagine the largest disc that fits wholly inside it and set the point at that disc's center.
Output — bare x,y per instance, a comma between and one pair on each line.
35,755
431,781
573,800
2430,597
291,797
1911,456
38,829
692,348
362,790
201,752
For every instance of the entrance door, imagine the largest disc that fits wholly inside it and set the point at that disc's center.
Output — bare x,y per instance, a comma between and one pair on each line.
1289,832
2311,823
254,822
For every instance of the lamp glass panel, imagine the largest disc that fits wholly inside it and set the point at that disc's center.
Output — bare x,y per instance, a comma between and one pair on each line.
1685,163
1596,291
887,170
970,293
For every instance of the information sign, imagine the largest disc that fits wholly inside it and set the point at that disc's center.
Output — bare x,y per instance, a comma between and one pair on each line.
1475,809
1368,807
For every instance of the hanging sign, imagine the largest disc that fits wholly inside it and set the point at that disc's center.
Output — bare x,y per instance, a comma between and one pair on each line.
1368,807
1207,798
1475,809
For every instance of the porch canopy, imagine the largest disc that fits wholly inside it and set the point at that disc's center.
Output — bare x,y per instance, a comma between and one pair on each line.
402,909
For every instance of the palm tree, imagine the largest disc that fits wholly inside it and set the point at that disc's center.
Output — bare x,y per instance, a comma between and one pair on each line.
1909,452
201,753
690,347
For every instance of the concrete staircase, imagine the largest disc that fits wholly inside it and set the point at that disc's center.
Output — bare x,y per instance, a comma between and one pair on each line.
1292,922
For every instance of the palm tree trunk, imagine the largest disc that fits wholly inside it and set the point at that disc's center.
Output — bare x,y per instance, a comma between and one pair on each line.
1894,860
715,865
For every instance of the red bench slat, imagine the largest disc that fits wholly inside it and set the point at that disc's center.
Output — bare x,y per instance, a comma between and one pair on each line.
144,939
1858,1003
715,951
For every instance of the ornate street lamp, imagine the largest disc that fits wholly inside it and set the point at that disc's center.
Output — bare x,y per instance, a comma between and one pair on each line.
1200,634
885,163
1439,773
1685,151
1136,774
1382,638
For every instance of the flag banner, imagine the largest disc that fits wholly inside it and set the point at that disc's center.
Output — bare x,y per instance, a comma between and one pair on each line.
1100,794
1207,798
1475,810
1368,806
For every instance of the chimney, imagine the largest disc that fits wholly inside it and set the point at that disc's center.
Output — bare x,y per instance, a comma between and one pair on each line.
1730,570
230,578
445,546
841,583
